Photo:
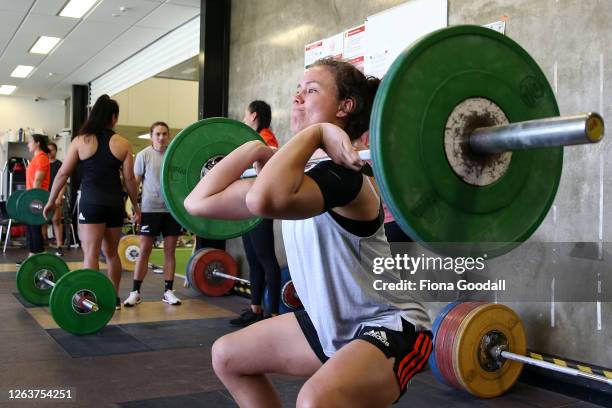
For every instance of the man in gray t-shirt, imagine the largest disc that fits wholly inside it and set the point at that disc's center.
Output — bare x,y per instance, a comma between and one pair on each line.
155,217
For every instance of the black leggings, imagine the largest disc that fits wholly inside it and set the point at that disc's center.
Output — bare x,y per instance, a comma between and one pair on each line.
35,239
209,243
263,265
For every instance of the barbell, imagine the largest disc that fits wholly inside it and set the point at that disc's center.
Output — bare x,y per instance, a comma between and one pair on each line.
465,144
26,206
481,348
213,272
81,301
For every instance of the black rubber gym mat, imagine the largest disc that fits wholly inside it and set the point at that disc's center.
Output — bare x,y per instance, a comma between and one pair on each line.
216,399
109,340
179,333
425,392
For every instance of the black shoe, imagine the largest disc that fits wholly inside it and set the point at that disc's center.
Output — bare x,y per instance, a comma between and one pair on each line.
18,263
59,251
247,317
118,304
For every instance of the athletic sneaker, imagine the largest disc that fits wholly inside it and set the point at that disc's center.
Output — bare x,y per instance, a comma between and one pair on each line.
133,299
170,298
118,304
59,251
247,317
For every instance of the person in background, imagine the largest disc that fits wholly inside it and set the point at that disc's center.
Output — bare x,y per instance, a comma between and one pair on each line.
101,154
38,175
259,242
56,220
155,217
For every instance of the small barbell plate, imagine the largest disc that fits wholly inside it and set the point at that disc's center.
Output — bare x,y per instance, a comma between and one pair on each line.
129,251
188,157
30,205
445,339
289,296
11,204
32,270
472,342
76,319
428,199
189,268
203,268
434,329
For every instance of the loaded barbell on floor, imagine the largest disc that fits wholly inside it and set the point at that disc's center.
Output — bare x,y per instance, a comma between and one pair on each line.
480,348
81,301
445,124
26,206
214,272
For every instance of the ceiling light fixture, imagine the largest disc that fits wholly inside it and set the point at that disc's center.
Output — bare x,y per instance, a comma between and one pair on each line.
77,8
22,71
145,136
7,89
44,44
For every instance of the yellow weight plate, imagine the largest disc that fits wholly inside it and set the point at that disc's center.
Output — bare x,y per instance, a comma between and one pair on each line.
468,356
129,251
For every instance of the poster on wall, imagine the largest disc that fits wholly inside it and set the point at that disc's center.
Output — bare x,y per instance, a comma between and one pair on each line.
328,47
354,46
389,32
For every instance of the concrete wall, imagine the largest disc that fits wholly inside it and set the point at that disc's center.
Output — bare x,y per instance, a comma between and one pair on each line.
570,39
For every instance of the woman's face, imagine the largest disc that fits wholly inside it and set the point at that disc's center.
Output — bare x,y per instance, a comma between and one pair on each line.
315,100
250,119
52,152
160,137
32,145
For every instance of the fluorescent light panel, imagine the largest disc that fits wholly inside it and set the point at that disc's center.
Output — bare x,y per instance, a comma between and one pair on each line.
77,8
145,136
44,44
22,71
7,89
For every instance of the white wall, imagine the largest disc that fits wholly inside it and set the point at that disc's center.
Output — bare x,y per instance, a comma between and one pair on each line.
172,101
22,112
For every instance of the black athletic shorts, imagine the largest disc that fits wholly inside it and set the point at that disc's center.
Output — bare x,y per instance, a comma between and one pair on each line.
410,348
152,224
101,214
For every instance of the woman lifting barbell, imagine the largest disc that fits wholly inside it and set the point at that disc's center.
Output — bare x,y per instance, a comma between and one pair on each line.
332,225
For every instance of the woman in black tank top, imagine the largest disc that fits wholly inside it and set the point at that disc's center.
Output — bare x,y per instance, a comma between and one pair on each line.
100,208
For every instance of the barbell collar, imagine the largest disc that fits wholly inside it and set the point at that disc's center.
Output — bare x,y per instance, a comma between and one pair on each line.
218,274
550,366
551,132
88,304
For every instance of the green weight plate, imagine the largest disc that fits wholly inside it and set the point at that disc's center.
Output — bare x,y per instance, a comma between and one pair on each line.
428,199
76,319
32,270
195,148
30,205
11,204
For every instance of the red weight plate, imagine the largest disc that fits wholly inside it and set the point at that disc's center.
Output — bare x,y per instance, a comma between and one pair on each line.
209,261
445,339
289,296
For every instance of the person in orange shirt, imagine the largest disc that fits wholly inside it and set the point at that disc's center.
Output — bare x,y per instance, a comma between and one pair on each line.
258,116
38,175
264,270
